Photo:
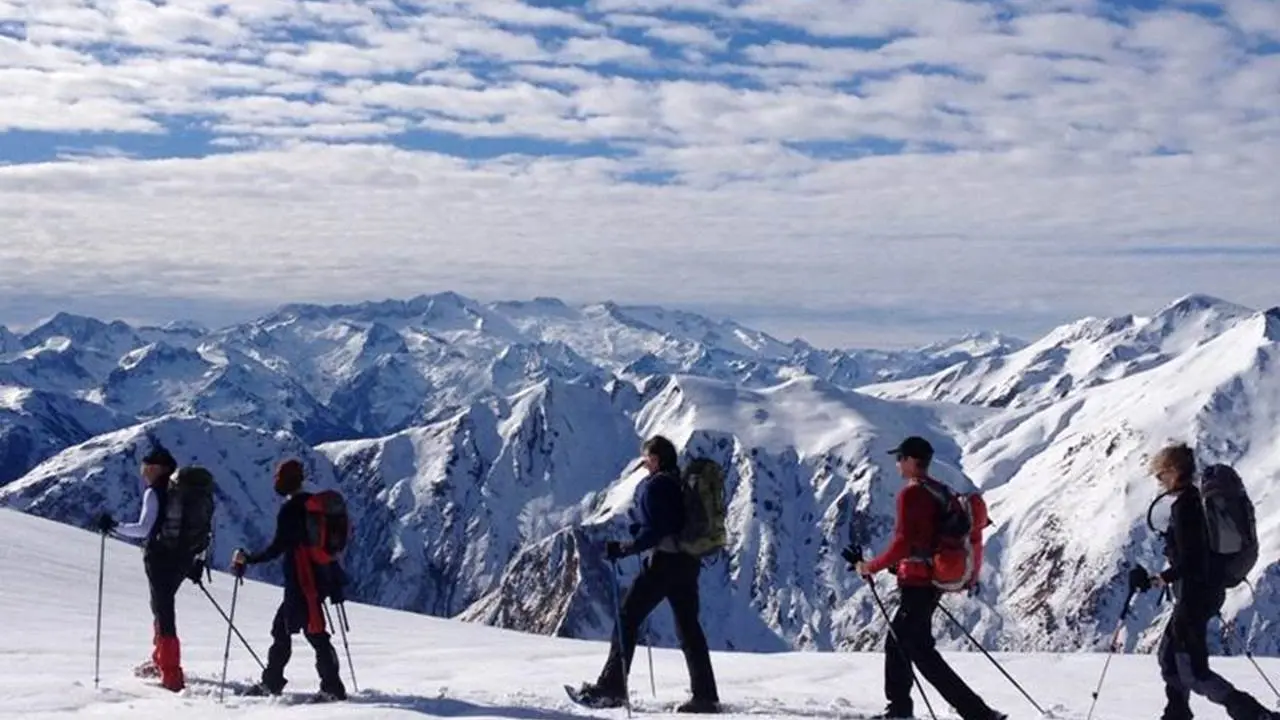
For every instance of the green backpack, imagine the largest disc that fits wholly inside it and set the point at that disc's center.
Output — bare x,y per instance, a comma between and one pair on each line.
703,486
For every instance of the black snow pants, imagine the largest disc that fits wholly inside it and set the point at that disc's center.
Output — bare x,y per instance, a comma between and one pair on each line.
673,577
301,611
913,626
1184,663
164,578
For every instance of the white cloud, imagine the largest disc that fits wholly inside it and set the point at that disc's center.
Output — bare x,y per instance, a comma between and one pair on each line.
1257,17
667,31
513,12
692,35
158,26
913,233
871,18
399,54
1055,110
593,51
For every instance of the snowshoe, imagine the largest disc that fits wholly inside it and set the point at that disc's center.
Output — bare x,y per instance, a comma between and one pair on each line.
699,706
324,697
592,697
259,690
147,670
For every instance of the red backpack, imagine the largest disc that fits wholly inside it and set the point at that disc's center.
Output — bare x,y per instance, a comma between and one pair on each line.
956,562
328,527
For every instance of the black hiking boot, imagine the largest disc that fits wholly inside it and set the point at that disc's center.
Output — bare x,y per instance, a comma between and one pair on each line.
699,706
894,713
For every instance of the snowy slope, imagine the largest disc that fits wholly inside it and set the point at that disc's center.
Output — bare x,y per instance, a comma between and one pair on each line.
102,475
372,369
407,666
55,366
1070,482
1074,357
487,450
451,503
805,460
99,344
437,510
35,425
443,512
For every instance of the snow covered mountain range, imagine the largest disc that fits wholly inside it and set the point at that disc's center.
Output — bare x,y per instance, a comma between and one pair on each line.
487,449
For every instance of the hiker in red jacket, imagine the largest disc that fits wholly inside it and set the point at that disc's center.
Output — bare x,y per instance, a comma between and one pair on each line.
911,639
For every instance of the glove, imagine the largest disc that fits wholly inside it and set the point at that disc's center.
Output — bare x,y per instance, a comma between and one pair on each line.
335,582
614,550
851,556
196,570
238,561
1138,578
106,523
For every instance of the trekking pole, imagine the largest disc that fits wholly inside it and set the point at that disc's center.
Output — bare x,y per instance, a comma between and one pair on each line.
1137,581
902,649
343,627
617,618
346,627
1248,647
648,646
97,643
853,554
231,625
226,650
974,640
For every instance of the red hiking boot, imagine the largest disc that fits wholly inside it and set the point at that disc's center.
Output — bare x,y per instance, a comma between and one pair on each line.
170,662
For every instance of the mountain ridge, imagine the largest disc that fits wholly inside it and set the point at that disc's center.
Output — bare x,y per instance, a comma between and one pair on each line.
487,448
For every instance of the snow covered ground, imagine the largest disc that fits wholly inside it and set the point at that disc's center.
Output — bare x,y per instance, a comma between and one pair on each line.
410,665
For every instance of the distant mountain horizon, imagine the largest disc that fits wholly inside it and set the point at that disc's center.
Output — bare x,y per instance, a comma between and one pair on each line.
479,441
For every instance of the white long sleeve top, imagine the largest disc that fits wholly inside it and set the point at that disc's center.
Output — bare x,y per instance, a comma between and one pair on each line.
150,511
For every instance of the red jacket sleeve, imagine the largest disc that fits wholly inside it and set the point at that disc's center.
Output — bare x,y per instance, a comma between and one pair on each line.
912,529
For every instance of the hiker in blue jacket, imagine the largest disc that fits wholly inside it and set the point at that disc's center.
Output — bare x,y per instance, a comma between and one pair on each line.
669,574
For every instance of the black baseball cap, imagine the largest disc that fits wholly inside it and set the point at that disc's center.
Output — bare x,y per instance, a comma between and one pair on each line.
914,447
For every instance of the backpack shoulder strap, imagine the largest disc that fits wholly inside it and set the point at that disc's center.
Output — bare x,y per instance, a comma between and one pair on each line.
1151,508
940,492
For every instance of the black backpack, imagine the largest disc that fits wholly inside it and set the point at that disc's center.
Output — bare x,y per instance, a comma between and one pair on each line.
188,513
1229,519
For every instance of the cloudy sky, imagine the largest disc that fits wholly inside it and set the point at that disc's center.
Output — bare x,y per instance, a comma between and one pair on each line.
879,172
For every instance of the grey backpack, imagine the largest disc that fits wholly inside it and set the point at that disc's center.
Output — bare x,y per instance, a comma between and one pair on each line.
1229,519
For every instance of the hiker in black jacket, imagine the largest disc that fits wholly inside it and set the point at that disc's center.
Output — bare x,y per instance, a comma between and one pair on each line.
306,585
671,575
1198,594
165,569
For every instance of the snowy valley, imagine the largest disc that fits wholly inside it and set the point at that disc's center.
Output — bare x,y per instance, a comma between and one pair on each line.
488,449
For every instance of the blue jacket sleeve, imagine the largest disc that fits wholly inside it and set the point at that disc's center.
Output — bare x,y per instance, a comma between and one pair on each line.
662,512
